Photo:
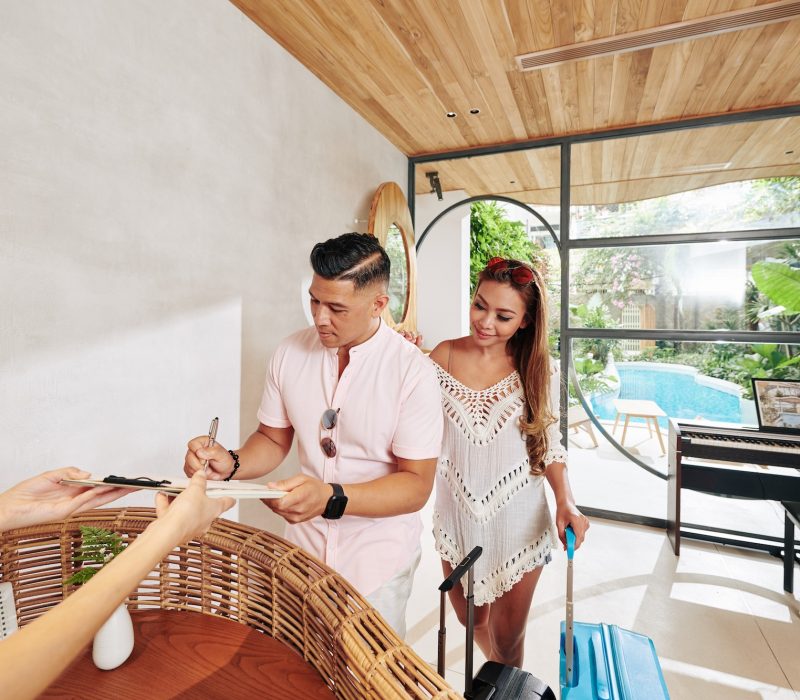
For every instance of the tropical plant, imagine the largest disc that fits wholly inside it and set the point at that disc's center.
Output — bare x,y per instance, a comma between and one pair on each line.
781,283
493,234
617,274
591,378
594,315
773,196
98,547
768,360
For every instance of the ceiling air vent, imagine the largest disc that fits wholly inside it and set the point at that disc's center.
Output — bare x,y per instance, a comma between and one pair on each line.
736,20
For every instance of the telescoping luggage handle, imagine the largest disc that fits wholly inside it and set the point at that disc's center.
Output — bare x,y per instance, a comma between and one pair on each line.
569,646
465,566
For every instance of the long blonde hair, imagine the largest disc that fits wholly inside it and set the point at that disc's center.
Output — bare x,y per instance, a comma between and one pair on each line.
531,355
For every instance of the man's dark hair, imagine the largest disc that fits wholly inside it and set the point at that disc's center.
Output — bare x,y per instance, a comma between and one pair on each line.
352,256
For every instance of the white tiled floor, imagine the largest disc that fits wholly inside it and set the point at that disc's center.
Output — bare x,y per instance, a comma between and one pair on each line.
720,621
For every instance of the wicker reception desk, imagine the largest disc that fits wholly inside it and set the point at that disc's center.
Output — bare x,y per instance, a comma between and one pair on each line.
233,600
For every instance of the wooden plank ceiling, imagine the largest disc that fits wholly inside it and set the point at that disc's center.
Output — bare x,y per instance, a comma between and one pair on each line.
404,64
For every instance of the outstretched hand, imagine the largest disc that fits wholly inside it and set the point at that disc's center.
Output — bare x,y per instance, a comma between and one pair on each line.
192,512
44,498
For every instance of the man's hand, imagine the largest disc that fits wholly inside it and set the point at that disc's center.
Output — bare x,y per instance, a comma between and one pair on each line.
216,458
306,498
44,498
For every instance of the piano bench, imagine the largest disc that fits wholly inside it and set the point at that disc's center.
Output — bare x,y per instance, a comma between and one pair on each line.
792,521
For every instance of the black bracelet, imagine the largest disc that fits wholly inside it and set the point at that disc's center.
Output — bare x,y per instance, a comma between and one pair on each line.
235,465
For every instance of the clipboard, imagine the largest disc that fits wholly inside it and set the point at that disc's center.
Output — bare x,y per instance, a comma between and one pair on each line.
214,489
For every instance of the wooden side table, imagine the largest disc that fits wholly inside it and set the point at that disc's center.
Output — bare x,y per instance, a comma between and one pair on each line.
183,654
636,408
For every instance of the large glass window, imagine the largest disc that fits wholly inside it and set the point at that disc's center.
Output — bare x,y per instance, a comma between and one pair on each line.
699,286
634,397
689,188
682,252
720,178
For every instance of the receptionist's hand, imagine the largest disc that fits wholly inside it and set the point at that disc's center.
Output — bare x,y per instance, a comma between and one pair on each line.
306,498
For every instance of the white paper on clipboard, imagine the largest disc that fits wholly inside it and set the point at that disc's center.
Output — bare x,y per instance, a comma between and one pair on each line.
214,489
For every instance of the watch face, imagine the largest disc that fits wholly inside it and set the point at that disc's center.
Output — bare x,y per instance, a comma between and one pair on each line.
335,507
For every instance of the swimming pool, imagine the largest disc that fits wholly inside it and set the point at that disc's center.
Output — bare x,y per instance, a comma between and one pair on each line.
681,391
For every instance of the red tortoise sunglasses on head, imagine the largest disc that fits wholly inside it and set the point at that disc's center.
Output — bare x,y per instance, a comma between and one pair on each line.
520,274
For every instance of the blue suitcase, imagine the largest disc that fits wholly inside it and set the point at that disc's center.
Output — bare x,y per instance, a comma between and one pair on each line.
605,662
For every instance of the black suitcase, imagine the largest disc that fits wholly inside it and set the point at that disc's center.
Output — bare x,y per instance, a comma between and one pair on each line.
494,680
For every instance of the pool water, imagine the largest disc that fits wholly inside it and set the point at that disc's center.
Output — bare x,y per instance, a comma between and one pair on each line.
675,389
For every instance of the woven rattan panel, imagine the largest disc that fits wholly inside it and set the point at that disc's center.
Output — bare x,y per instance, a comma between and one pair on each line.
246,575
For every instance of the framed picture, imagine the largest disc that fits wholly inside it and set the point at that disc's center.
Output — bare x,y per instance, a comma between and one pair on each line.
778,405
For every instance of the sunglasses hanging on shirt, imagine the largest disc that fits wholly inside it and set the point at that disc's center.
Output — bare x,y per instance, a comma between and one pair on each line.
328,422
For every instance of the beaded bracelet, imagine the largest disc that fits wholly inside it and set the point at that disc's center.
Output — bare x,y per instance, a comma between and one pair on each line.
235,465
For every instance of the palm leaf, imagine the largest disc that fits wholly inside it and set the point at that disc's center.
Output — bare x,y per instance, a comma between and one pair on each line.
780,282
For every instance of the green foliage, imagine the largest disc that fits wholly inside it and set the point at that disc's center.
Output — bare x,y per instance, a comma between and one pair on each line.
591,378
767,360
592,354
667,353
640,218
780,282
398,279
618,274
492,234
98,547
777,277
594,315
773,196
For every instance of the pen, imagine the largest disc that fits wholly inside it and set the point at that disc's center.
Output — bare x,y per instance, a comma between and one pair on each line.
212,438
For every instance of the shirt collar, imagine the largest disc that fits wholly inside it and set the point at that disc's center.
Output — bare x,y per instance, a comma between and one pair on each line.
373,341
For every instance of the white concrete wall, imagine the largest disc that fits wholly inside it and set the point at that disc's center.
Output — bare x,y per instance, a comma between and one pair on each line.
166,168
442,268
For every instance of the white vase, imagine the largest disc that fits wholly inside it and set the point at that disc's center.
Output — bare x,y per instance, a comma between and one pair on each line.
113,642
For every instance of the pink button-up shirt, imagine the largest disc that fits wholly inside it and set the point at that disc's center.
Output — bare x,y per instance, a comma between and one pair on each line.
389,406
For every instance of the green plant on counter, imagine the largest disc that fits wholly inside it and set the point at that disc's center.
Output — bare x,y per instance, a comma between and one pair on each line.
98,547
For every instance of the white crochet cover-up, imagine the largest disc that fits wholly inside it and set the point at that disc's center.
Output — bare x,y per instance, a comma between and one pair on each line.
485,494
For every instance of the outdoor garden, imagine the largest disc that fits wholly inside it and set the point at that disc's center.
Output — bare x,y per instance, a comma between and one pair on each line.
713,286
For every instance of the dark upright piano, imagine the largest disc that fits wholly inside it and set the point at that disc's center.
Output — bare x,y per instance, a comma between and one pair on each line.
746,455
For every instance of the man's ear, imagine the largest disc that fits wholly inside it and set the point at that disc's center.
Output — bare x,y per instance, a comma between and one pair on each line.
379,303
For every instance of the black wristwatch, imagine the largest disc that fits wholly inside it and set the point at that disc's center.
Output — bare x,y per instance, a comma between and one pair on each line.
336,503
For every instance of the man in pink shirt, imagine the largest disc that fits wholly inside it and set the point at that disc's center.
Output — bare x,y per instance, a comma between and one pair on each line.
365,406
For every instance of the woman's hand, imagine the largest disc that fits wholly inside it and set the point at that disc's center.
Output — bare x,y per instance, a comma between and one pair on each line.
415,338
192,512
568,514
44,498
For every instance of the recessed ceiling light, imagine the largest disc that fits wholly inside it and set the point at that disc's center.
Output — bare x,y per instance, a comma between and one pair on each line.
512,182
451,115
474,110
788,153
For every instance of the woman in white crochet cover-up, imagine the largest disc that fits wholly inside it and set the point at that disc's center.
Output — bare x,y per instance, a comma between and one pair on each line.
500,395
